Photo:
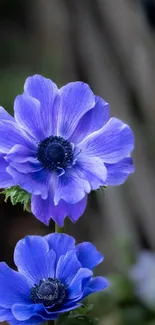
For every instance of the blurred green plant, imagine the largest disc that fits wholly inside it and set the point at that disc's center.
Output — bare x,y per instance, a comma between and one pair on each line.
119,304
80,316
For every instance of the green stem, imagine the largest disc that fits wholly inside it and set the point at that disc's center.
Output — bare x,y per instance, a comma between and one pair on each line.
59,229
51,322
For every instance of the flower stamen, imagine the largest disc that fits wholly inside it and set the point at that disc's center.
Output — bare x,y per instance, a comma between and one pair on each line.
54,153
48,292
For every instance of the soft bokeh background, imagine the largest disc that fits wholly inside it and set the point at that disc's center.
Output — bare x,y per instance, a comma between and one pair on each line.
111,45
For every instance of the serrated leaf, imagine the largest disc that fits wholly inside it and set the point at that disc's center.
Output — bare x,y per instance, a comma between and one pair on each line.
17,195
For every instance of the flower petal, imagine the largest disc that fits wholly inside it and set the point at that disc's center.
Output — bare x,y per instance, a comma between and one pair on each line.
60,243
10,134
112,143
88,255
19,153
27,167
4,115
75,211
45,210
65,308
36,183
76,99
24,312
119,172
5,314
92,121
67,267
23,159
27,115
45,91
36,320
92,169
95,284
71,188
31,258
14,287
5,179
69,303
75,287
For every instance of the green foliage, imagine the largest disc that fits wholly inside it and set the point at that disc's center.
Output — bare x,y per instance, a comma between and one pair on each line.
119,305
134,315
121,288
17,195
79,316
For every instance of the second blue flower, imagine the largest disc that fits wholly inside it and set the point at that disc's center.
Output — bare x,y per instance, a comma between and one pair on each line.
53,276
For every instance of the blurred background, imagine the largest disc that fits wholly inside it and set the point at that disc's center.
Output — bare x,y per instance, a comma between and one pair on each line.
110,45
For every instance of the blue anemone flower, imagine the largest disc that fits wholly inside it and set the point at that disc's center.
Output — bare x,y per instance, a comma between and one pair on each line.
60,145
53,277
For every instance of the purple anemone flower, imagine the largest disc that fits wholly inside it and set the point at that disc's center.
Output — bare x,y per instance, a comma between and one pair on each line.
60,145
53,277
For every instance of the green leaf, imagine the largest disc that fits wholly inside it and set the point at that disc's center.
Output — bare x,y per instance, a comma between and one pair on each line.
17,195
78,316
82,310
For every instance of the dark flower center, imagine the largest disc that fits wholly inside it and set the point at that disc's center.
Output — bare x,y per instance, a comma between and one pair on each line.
55,153
48,292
